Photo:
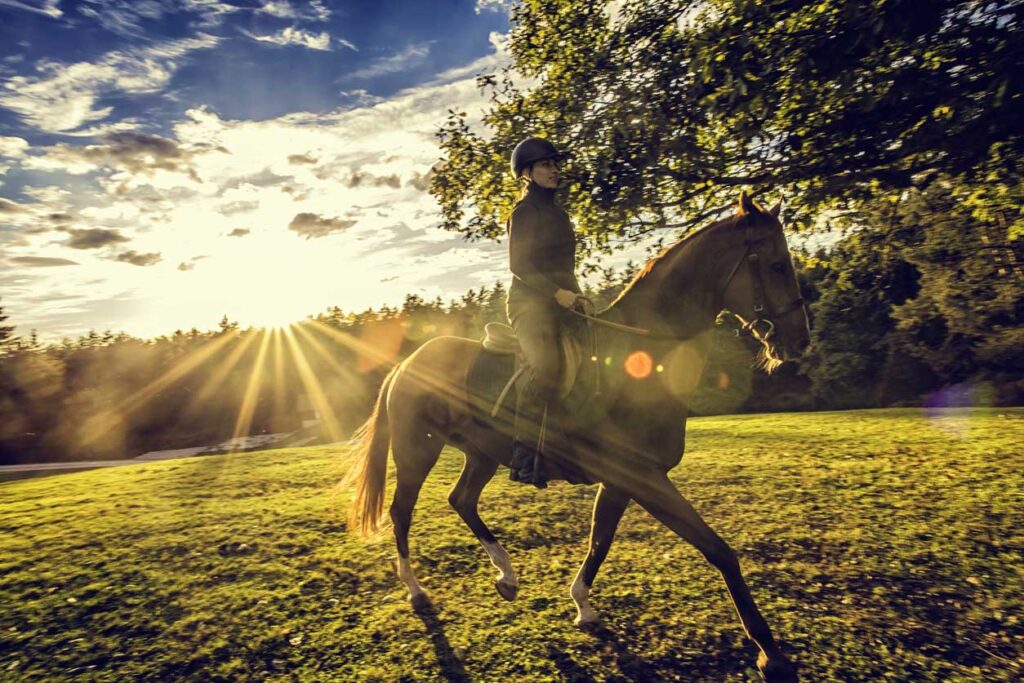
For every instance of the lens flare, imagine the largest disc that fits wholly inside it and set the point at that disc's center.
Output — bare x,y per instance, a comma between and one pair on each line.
639,364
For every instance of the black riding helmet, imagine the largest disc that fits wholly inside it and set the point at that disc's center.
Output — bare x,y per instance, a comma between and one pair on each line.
532,150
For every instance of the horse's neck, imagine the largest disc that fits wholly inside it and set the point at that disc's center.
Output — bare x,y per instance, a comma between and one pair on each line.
678,297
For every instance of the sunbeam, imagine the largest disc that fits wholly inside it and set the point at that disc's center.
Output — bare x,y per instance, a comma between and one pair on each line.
313,388
325,354
215,382
252,389
95,426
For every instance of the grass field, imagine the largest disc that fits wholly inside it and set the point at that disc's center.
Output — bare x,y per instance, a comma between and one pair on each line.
880,545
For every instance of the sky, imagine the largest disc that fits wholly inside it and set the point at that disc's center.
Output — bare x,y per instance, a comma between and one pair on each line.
164,163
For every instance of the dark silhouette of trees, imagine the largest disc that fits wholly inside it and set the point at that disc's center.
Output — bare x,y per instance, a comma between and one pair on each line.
920,301
6,332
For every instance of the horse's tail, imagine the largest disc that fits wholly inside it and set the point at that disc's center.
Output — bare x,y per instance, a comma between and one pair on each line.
369,474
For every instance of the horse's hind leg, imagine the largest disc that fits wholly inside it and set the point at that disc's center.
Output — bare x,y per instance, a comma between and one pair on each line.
415,452
464,497
608,508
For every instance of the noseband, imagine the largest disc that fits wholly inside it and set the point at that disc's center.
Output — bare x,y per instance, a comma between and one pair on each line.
763,311
760,302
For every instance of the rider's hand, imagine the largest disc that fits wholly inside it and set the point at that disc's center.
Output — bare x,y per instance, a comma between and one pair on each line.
566,298
586,304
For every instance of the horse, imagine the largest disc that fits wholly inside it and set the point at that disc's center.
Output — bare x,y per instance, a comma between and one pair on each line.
634,435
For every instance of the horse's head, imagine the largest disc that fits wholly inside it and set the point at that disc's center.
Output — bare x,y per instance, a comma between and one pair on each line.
760,286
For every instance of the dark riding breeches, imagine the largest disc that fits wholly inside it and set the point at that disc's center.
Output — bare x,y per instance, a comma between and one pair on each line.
537,329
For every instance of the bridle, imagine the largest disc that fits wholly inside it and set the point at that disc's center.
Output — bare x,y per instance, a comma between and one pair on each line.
763,311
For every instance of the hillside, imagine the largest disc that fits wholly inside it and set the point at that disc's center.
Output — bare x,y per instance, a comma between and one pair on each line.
880,545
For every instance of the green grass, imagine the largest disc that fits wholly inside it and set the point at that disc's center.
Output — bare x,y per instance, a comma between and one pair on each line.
879,545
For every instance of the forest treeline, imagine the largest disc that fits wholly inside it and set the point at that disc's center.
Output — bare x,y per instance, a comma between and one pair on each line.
919,303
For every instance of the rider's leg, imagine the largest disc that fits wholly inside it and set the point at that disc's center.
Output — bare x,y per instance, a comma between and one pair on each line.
537,330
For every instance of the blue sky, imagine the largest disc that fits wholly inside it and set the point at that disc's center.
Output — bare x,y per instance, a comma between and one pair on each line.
166,162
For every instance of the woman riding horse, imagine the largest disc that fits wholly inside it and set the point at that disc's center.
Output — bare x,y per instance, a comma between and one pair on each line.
542,258
740,263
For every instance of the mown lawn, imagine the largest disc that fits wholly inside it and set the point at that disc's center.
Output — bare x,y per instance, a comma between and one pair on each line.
881,545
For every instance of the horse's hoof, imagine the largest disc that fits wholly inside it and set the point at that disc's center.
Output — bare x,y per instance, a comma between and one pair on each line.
421,602
776,670
506,590
588,623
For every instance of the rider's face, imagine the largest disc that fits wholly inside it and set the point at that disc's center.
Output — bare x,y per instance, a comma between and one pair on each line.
545,173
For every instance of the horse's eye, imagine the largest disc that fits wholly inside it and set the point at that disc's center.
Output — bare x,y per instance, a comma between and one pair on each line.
779,267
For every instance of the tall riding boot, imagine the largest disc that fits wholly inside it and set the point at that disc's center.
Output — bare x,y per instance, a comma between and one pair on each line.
526,458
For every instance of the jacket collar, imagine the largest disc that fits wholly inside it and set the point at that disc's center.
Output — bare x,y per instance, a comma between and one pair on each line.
539,194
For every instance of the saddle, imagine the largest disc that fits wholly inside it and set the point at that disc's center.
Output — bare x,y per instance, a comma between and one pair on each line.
500,339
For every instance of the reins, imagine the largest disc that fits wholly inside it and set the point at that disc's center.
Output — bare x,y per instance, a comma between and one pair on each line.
760,302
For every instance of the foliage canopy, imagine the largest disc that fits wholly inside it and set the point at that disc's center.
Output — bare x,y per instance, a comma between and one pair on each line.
668,106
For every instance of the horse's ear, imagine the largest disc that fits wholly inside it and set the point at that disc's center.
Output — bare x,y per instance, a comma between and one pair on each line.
746,204
776,209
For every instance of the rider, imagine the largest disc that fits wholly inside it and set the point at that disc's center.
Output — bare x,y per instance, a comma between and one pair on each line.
542,257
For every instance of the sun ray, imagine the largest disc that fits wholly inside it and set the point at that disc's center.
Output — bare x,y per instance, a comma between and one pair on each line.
440,384
279,373
313,388
252,390
367,350
96,425
215,381
325,353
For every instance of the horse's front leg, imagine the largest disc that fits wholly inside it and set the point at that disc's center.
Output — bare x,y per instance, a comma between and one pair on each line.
608,508
661,498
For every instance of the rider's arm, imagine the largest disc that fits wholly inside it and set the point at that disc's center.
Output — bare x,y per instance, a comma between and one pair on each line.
523,237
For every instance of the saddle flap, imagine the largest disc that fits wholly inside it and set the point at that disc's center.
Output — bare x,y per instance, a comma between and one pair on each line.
500,338
572,356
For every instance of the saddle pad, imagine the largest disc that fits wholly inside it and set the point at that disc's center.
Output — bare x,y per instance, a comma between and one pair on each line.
500,338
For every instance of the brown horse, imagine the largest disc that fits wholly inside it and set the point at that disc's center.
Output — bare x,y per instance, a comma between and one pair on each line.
628,438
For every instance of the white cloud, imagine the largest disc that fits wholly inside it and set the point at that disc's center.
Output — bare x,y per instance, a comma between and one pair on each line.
493,5
127,156
66,96
410,56
296,36
126,17
488,63
366,232
119,17
283,9
361,97
51,195
48,7
12,147
103,129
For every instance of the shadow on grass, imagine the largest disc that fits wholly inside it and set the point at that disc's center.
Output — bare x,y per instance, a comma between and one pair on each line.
633,668
452,668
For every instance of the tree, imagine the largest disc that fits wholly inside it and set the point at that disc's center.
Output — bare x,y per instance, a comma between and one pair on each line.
6,332
967,321
867,276
674,105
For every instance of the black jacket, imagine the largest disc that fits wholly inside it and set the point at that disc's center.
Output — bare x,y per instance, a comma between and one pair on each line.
541,249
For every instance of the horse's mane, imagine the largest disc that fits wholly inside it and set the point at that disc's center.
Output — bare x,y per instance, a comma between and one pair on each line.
667,254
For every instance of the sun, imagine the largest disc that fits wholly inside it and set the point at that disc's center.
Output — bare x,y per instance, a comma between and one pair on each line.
270,309
271,320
